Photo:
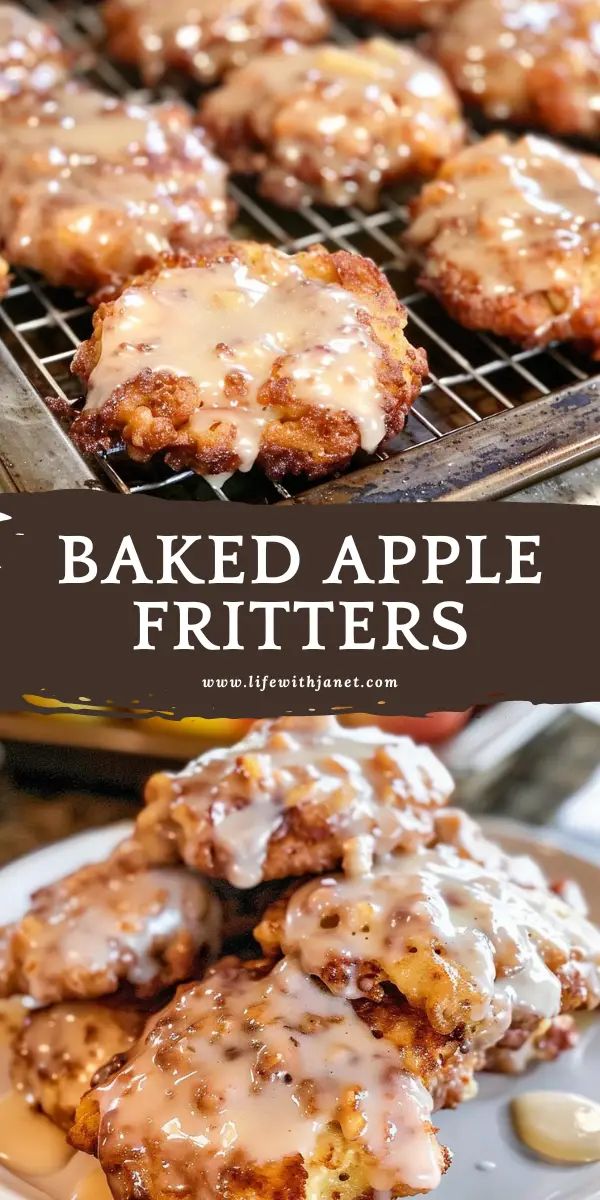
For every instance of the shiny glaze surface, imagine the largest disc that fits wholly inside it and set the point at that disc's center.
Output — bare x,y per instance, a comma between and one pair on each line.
522,217
536,62
121,182
228,329
374,791
61,1047
31,55
104,924
337,120
206,37
251,1071
490,937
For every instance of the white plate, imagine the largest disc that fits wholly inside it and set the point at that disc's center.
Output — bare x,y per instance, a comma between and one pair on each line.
479,1132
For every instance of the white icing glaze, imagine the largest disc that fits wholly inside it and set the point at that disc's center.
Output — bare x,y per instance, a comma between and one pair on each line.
206,37
538,61
374,789
86,932
494,934
253,1071
130,181
519,215
335,123
559,1125
225,328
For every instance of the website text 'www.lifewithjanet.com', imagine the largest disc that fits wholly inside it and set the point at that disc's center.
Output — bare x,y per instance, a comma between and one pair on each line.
311,683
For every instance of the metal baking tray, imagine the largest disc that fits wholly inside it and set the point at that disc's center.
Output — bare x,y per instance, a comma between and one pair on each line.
490,419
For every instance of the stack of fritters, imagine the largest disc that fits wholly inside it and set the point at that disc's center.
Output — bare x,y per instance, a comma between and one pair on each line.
426,955
96,952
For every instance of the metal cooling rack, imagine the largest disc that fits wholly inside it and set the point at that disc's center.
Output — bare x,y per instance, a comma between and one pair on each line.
488,420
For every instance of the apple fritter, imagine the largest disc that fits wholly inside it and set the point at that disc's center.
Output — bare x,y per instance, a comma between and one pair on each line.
251,1084
247,355
107,925
206,38
534,64
32,56
298,795
59,1049
530,1041
332,124
470,947
94,189
508,237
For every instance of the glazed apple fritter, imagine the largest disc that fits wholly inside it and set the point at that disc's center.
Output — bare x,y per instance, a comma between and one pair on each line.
107,925
335,124
508,235
95,188
297,795
245,354
232,1092
206,38
471,948
59,1050
535,64
32,57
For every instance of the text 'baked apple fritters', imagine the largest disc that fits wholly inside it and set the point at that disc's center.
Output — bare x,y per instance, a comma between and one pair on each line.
245,354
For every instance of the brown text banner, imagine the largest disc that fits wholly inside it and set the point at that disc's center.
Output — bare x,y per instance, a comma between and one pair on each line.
237,610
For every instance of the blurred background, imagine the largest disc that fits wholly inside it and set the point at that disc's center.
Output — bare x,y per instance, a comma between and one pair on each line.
62,772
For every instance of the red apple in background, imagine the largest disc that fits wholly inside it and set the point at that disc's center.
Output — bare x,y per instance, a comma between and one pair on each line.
434,727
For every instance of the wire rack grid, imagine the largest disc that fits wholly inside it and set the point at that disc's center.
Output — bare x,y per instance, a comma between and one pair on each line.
471,376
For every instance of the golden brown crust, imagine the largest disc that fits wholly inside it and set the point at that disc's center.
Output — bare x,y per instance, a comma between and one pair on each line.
541,285
394,937
446,1065
534,64
334,125
151,412
149,34
59,1050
